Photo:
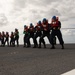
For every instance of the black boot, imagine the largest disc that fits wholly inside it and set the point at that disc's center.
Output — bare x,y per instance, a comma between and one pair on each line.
62,47
35,46
53,47
39,46
28,46
24,45
44,46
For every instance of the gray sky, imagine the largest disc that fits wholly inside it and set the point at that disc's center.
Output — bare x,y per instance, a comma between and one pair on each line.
16,13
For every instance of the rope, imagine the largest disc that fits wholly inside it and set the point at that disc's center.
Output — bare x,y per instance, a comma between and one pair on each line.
67,28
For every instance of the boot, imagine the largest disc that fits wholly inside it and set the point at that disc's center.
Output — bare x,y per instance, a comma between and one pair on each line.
39,46
24,45
53,47
28,46
34,46
44,46
62,47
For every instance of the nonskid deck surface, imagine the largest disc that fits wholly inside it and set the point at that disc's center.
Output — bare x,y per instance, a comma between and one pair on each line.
34,61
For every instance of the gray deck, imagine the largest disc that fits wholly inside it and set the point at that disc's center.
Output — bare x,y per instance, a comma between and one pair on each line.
29,61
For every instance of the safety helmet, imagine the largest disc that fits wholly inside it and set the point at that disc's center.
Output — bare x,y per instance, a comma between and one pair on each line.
11,32
39,22
31,24
16,29
54,17
44,19
6,32
25,26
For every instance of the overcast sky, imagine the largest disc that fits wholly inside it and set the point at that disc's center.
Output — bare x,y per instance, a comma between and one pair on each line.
16,13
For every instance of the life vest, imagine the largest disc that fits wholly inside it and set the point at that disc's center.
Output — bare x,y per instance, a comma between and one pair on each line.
38,27
45,26
31,29
26,29
3,35
7,35
0,35
12,36
55,24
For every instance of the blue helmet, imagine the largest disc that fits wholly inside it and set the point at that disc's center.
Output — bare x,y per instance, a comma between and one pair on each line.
12,33
44,19
54,17
31,24
39,22
25,26
16,29
6,32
